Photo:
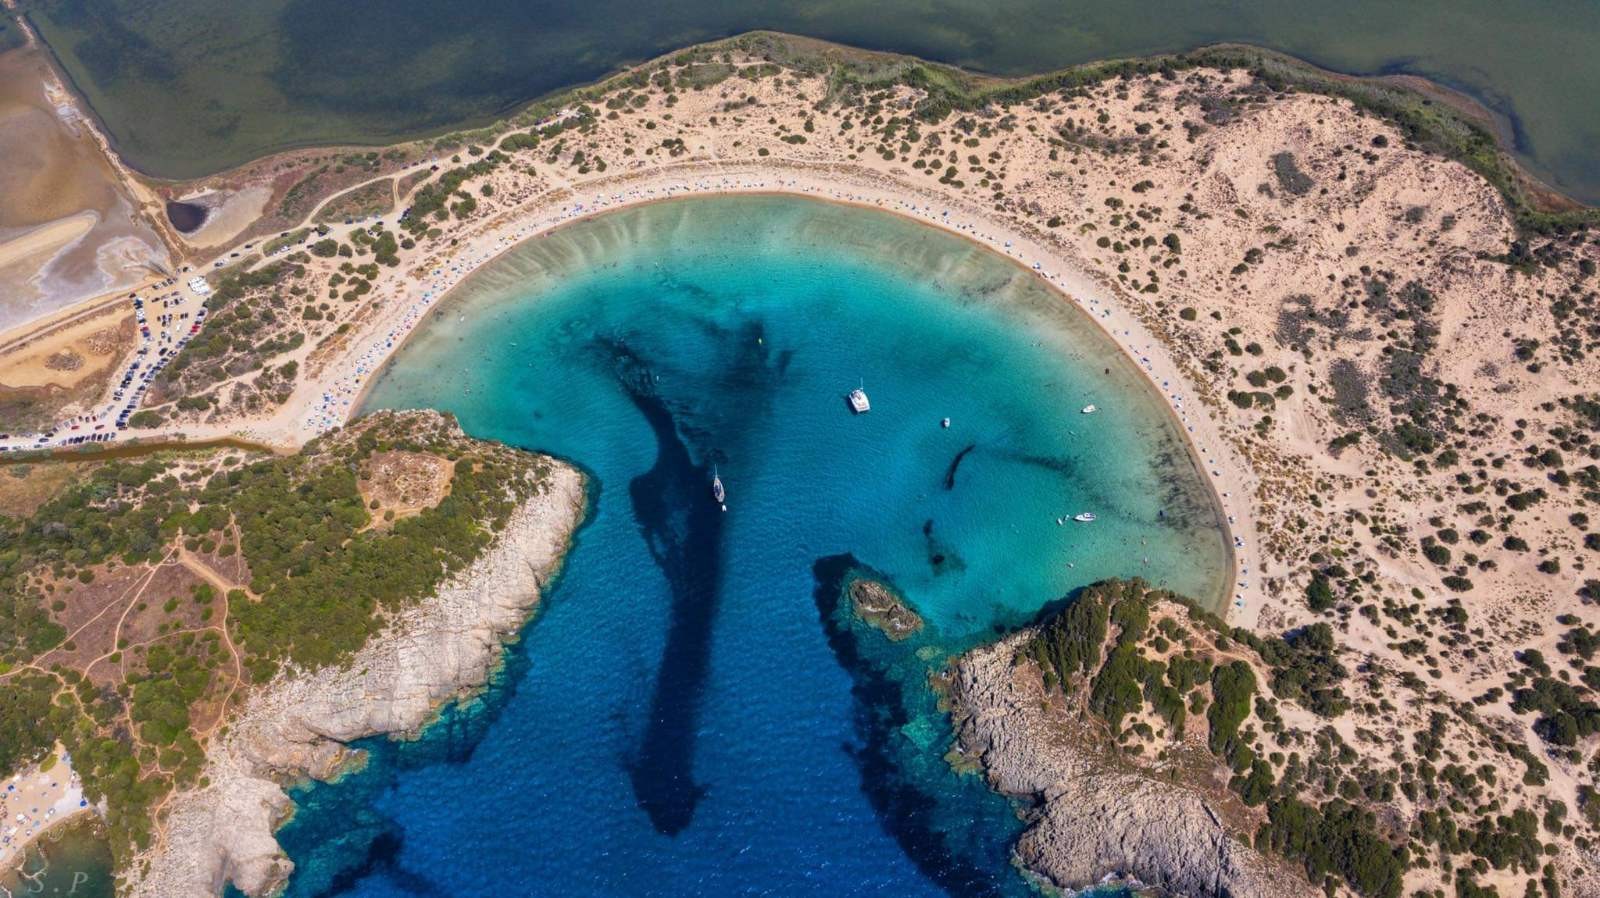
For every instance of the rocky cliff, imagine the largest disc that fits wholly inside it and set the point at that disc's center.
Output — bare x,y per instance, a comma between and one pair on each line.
1092,818
298,726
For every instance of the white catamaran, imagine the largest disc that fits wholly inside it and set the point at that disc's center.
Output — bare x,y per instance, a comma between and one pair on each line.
858,400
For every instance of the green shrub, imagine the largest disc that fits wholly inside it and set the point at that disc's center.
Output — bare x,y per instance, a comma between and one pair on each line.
1319,592
1233,685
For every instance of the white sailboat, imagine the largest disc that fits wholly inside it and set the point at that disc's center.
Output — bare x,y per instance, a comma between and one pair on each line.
858,400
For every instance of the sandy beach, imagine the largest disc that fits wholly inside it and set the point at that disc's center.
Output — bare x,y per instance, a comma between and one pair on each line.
34,801
1339,322
332,394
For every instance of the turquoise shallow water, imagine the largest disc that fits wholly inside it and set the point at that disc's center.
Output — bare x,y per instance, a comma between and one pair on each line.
693,712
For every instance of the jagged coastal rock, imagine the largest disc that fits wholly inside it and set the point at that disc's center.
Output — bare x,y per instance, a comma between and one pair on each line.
879,605
298,726
1090,819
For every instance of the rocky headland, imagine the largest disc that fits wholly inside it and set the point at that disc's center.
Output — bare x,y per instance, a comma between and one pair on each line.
1090,817
301,724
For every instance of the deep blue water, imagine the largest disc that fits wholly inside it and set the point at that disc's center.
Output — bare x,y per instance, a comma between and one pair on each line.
693,710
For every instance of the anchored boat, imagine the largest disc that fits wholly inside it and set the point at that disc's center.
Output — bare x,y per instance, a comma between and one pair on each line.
1084,518
858,401
717,492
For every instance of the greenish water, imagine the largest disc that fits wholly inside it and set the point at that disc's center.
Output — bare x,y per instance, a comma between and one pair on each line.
73,862
10,35
188,87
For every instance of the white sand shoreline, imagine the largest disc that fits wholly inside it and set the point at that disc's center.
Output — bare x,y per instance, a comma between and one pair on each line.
330,397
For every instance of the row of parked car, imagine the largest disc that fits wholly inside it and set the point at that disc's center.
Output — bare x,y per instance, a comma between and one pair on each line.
130,390
164,355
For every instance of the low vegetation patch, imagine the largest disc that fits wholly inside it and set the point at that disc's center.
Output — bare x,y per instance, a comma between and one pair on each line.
1171,682
146,596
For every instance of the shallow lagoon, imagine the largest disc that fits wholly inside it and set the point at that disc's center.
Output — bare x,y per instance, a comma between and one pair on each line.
190,87
693,712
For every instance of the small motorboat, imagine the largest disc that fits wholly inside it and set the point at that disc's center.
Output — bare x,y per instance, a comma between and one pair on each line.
945,423
1086,517
1090,409
858,401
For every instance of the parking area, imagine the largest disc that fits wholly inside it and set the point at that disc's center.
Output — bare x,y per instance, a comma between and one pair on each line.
168,314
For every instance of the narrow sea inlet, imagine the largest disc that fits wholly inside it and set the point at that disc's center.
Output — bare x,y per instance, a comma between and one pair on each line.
695,710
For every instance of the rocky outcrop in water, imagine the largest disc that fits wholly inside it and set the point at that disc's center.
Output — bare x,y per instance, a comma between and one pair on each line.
1091,818
437,651
879,605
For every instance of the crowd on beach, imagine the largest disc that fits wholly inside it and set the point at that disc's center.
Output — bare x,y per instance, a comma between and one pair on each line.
32,801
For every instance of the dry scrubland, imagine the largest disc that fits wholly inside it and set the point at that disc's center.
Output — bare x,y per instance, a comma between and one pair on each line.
1413,383
64,367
